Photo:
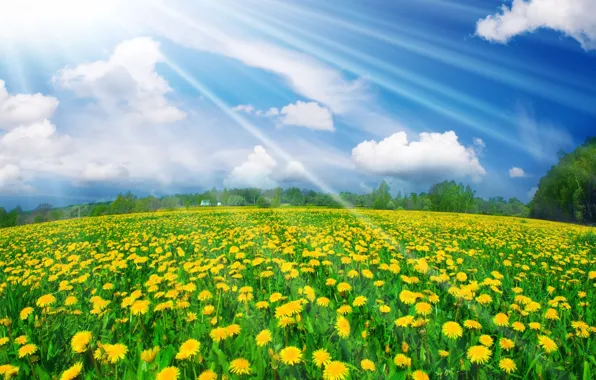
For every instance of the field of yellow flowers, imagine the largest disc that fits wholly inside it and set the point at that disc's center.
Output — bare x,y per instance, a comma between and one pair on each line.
297,293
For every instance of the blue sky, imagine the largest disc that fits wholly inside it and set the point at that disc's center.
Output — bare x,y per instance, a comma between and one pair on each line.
159,97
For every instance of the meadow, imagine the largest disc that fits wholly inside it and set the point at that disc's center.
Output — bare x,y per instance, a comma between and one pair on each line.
225,293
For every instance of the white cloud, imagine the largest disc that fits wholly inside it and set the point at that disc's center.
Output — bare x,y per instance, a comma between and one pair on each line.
33,142
11,181
575,18
97,172
434,157
126,82
532,192
294,172
309,115
516,172
248,108
256,171
479,143
20,109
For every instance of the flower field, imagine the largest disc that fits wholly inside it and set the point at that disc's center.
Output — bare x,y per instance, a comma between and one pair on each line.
297,293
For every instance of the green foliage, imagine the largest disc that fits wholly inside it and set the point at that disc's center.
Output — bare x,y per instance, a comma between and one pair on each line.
568,190
263,202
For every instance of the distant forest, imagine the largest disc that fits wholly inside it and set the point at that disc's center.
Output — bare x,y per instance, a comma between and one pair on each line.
444,196
566,193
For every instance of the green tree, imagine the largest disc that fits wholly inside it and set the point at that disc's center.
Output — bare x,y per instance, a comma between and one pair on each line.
381,196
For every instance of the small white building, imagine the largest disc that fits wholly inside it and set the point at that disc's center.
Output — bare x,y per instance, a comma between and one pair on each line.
205,202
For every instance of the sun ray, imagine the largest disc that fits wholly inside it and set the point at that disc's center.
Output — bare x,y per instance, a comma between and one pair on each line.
455,59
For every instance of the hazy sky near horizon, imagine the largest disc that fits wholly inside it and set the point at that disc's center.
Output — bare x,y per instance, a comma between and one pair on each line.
158,97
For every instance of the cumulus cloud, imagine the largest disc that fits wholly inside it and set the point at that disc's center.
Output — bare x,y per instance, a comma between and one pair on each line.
98,172
516,172
126,82
309,115
248,108
435,156
256,171
575,18
11,180
21,109
293,172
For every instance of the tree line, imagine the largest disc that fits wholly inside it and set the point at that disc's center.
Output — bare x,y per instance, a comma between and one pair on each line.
445,196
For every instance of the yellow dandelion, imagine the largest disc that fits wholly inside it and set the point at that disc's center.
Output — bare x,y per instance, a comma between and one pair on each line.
80,341
479,354
72,372
402,361
148,356
335,370
115,352
168,373
321,357
419,375
507,365
486,340
240,366
208,375
263,338
27,350
290,355
45,300
367,365
342,325
188,349
547,344
452,330
25,313
501,319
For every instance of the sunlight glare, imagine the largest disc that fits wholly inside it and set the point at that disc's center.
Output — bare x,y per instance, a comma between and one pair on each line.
35,19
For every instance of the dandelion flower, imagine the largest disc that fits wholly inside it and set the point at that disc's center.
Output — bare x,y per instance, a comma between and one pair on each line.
168,373
479,354
208,375
45,300
25,313
240,366
506,344
367,365
321,357
501,319
472,324
263,338
419,375
80,341
547,344
218,334
335,370
359,301
507,365
72,372
3,341
486,340
423,308
290,355
402,361
518,326
342,325
115,352
148,356
27,350
188,349
452,330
